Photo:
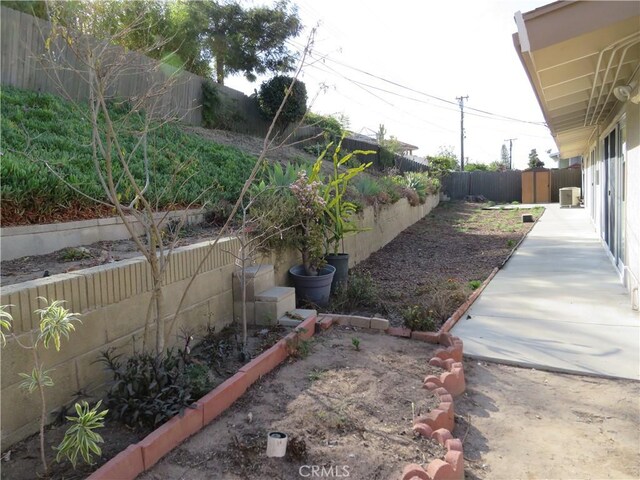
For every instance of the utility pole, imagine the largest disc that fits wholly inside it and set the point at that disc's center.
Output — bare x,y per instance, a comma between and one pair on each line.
510,140
461,103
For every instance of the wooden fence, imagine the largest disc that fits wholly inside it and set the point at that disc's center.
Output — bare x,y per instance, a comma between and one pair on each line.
504,187
26,63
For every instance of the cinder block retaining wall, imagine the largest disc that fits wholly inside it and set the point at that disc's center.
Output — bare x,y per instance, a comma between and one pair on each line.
113,300
28,240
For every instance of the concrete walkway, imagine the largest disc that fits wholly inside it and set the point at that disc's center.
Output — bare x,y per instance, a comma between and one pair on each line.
558,304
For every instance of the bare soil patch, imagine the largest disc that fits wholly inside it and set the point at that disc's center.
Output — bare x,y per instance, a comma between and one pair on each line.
433,263
340,408
520,423
250,144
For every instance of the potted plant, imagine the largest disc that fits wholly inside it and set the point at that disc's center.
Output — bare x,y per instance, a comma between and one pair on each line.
312,279
338,212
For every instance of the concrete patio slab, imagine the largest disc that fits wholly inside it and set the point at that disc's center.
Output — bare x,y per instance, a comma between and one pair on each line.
558,304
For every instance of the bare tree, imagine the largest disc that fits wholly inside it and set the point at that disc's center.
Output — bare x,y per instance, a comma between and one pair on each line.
100,64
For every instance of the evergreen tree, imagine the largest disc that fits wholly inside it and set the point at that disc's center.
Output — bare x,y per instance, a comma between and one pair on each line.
534,160
504,157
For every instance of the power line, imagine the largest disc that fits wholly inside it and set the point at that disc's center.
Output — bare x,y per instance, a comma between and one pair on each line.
435,97
363,85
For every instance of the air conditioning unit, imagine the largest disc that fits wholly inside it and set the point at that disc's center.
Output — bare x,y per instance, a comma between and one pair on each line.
570,197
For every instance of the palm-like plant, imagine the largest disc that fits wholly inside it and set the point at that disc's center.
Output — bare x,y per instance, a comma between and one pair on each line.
81,439
55,322
5,323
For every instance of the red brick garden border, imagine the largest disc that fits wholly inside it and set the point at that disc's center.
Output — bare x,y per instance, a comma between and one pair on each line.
437,424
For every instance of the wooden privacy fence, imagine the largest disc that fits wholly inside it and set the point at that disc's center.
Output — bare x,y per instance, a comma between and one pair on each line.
506,187
503,187
26,63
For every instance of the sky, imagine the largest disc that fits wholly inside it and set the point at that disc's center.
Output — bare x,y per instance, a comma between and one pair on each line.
382,62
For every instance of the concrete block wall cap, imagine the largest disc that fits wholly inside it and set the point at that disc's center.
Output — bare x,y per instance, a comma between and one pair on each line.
379,323
360,322
39,282
275,294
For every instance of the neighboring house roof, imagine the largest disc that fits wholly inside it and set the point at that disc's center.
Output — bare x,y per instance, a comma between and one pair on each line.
575,54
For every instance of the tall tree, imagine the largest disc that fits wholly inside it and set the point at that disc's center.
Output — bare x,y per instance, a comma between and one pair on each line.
504,156
250,41
534,160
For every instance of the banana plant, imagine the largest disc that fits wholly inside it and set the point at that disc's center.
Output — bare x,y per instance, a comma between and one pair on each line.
338,211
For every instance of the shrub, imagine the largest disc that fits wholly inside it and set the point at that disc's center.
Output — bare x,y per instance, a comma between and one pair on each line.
475,284
332,127
390,187
360,292
419,317
211,103
368,187
146,390
417,182
273,91
411,195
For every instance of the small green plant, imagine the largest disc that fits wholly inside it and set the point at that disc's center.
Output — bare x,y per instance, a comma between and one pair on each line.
298,348
199,379
355,341
511,243
419,318
315,375
475,284
55,322
74,254
81,439
5,323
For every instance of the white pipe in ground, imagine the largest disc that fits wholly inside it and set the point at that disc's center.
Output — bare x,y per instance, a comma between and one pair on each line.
276,444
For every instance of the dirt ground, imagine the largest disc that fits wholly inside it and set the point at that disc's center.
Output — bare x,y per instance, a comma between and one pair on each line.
520,423
340,407
432,263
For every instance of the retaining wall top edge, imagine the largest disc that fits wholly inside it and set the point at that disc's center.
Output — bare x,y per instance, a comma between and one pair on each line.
79,224
38,282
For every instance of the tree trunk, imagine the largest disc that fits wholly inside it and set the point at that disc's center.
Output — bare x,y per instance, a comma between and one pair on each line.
219,71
